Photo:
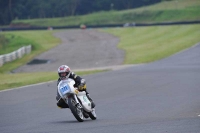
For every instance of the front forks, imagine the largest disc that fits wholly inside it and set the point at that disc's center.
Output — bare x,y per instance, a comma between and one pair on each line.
77,102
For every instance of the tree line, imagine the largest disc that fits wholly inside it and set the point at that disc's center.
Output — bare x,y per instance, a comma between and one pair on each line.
30,9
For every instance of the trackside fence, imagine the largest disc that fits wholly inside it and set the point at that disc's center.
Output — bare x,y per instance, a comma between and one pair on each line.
15,55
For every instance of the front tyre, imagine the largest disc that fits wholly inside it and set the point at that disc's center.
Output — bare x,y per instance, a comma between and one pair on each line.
77,111
92,114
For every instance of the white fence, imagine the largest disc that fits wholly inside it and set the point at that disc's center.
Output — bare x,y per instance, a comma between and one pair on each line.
14,55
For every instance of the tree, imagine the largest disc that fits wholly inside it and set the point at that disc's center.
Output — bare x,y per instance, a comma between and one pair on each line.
72,6
23,9
10,9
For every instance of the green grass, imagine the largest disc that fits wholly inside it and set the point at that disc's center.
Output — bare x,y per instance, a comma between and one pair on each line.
141,45
8,81
167,11
3,42
13,43
41,41
147,44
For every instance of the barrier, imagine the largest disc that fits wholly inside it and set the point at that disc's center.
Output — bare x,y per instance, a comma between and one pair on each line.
15,55
99,25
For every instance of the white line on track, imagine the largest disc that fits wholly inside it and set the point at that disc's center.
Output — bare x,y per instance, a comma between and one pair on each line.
25,86
117,67
111,67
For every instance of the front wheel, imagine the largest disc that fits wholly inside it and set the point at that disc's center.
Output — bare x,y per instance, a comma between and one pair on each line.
77,111
93,115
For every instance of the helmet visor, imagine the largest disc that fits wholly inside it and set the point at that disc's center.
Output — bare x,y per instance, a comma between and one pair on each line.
63,74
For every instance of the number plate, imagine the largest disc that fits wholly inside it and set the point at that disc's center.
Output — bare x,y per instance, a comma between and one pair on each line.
64,90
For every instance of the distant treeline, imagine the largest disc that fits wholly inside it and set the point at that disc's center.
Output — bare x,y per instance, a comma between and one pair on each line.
29,9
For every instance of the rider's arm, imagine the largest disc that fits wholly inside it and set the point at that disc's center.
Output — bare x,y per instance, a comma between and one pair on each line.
75,77
58,81
78,81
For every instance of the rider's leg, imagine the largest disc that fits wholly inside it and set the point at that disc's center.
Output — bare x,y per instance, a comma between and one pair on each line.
60,102
88,96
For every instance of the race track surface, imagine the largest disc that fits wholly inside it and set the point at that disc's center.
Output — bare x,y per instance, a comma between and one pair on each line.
80,49
159,97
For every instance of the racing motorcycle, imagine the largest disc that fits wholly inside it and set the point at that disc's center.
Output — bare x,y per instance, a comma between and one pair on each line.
77,101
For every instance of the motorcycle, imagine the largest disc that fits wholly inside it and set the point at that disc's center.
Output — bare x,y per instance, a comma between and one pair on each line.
77,101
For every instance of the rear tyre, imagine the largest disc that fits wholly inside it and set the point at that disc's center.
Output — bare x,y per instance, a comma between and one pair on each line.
77,111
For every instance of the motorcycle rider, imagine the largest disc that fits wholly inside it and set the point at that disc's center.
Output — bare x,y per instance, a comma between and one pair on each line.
64,72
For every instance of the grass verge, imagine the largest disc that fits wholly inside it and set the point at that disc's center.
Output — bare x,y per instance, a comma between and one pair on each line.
11,43
41,41
147,44
8,81
141,44
166,11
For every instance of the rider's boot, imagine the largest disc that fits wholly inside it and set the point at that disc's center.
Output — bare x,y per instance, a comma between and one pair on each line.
60,102
92,102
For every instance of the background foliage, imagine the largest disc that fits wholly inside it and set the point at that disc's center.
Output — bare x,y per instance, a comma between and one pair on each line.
28,9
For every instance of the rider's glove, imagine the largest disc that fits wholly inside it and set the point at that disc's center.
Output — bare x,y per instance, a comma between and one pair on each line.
82,86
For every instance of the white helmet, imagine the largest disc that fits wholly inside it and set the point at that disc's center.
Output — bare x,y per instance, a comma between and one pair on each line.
63,71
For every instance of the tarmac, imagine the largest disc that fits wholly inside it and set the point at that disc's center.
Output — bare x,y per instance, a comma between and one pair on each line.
81,50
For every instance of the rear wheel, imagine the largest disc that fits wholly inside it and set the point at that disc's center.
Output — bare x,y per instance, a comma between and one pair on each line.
76,110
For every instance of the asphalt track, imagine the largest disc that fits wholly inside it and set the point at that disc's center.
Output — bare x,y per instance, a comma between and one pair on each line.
80,49
160,97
